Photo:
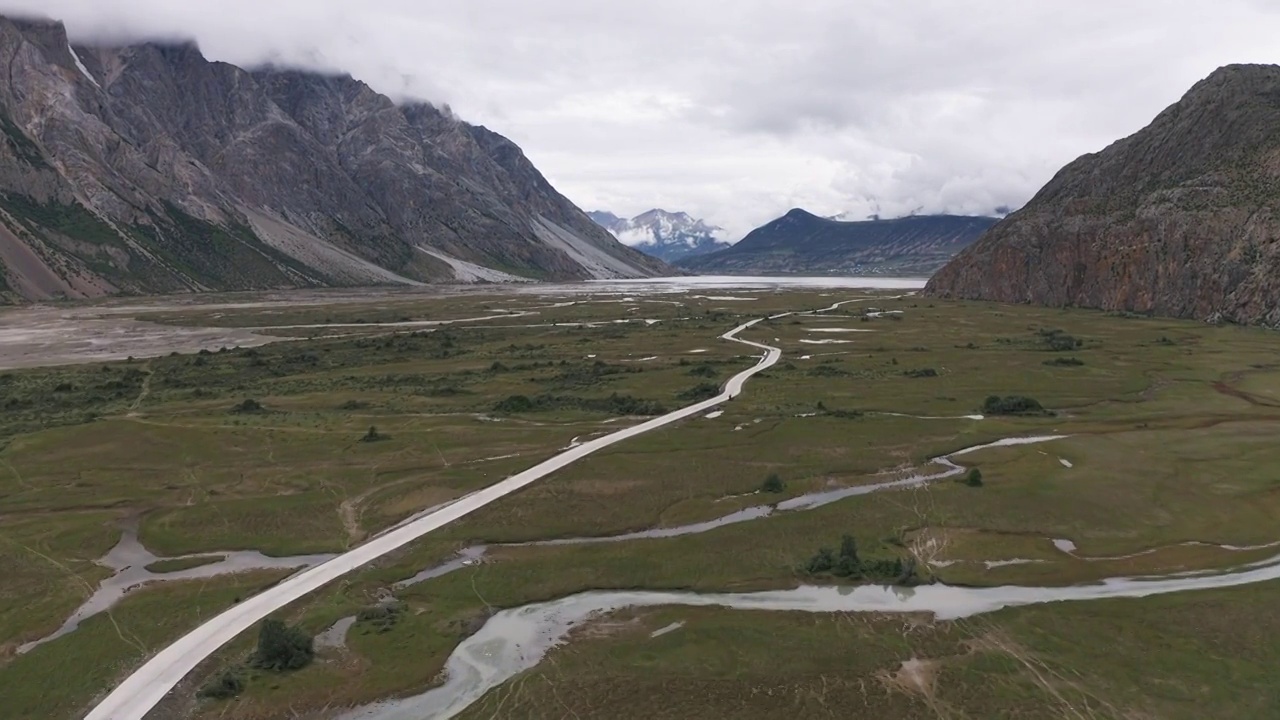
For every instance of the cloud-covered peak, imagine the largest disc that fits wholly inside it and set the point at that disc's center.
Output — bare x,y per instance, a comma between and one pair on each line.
735,110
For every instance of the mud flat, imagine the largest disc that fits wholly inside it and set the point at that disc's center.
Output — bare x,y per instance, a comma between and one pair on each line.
42,336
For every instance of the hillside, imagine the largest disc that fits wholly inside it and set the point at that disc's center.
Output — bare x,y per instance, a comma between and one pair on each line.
148,169
1180,219
801,242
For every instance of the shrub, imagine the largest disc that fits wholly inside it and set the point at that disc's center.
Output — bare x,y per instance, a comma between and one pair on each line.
374,436
1064,362
973,478
249,406
921,373
514,404
1011,405
704,370
614,404
225,685
1058,341
773,484
382,617
827,371
1064,343
281,647
701,391
846,563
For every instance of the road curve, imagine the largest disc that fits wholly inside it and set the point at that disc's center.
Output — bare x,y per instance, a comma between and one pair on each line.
144,689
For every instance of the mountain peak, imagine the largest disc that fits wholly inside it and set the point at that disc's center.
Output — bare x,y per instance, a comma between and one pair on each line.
800,214
663,234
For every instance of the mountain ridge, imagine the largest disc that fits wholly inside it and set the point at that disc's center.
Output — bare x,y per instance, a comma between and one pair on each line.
147,168
669,236
1178,219
802,242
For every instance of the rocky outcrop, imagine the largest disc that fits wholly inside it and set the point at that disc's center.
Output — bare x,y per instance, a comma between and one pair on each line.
1181,219
148,168
801,242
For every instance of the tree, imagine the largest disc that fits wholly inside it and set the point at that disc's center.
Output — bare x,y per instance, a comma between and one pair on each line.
848,547
973,478
909,574
373,435
281,647
848,564
822,562
773,484
847,568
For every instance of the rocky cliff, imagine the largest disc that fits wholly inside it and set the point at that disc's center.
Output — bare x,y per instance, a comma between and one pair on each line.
148,168
801,242
1180,219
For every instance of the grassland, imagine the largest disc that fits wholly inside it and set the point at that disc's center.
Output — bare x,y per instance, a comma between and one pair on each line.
1170,424
1177,657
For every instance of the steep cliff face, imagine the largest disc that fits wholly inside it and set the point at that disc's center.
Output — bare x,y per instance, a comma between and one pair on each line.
1180,219
801,242
148,168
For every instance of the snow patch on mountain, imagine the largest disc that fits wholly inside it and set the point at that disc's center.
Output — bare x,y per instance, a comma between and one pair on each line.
663,234
80,65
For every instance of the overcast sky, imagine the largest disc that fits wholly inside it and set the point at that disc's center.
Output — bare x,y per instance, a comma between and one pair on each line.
737,110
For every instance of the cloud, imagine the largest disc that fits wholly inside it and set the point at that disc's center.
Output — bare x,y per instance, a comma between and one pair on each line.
737,110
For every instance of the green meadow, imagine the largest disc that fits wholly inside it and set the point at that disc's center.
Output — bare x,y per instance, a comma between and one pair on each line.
1168,463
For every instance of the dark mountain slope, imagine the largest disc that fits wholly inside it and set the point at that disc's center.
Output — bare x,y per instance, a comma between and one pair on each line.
801,242
1180,219
147,168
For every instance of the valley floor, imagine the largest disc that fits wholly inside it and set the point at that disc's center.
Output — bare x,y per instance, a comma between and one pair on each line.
375,410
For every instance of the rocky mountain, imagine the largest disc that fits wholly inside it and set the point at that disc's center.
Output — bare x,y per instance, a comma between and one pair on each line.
147,168
1179,219
665,235
801,242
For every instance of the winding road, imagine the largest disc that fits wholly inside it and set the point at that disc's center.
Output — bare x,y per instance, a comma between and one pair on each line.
148,685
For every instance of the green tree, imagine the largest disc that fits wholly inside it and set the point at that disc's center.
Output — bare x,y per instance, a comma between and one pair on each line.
848,564
773,484
973,478
824,561
849,547
281,647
